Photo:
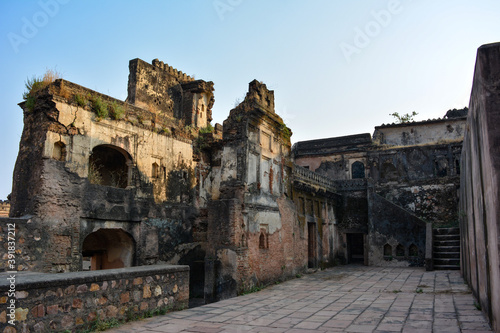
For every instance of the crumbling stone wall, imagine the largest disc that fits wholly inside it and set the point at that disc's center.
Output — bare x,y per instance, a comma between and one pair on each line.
166,91
4,208
255,233
69,301
395,237
479,186
69,198
433,131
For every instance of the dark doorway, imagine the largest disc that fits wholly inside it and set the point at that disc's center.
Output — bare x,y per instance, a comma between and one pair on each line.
358,170
356,248
196,261
312,245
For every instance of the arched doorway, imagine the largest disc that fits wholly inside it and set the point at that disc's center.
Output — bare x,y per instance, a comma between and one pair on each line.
108,248
358,170
109,166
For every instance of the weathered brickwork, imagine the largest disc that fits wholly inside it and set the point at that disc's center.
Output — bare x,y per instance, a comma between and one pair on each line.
59,302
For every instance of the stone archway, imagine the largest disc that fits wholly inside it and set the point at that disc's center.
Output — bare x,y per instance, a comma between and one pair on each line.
109,248
110,166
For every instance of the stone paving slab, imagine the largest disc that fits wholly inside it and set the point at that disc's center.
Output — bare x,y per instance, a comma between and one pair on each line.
342,299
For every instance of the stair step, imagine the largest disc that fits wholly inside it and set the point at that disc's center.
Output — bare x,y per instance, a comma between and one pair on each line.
446,231
455,262
446,249
446,255
447,237
446,267
447,243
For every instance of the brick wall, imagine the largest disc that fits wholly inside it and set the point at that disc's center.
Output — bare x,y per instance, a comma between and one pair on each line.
67,301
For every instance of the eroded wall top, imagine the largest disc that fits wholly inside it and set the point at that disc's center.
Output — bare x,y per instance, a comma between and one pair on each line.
165,91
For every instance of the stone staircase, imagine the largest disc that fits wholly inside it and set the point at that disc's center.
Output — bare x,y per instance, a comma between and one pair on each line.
446,247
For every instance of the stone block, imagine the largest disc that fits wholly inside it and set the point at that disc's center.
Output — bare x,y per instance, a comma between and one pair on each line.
21,314
52,309
125,297
77,303
81,289
146,292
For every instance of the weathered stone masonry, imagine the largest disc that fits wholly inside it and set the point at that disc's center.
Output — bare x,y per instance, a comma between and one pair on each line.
480,185
101,184
391,189
58,302
104,184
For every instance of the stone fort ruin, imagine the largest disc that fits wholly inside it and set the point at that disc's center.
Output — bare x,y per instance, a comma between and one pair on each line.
102,184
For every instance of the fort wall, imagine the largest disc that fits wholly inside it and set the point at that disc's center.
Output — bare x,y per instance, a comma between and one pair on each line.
479,186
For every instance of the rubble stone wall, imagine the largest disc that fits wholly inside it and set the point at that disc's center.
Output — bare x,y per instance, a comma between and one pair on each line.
68,301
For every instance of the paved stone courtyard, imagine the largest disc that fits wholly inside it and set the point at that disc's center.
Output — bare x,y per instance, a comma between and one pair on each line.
343,299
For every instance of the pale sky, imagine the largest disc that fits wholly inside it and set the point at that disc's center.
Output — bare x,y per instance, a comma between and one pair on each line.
337,67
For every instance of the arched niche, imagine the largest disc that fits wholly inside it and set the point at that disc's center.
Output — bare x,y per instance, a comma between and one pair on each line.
59,151
389,171
358,170
110,166
109,248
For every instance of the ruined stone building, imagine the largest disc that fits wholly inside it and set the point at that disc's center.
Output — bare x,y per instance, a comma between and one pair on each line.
4,208
101,183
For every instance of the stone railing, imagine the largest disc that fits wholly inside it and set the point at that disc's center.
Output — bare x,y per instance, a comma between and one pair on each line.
39,302
310,177
351,185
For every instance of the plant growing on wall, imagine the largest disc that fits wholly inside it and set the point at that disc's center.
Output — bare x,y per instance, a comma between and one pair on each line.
99,106
116,111
80,100
94,174
206,130
404,118
35,84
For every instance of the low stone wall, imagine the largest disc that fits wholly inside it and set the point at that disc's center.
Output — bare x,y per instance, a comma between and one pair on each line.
70,301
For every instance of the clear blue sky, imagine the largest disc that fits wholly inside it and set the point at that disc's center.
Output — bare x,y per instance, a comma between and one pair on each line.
337,67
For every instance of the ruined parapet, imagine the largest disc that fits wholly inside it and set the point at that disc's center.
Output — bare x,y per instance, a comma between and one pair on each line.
179,75
197,103
166,91
428,132
4,208
258,105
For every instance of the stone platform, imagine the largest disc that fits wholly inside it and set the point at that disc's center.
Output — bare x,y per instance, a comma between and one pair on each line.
343,299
